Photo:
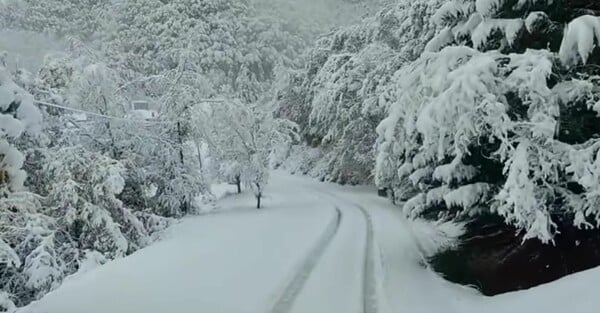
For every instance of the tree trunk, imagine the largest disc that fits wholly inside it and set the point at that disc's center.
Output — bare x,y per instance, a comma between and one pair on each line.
258,195
180,137
185,207
113,149
112,142
238,183
199,154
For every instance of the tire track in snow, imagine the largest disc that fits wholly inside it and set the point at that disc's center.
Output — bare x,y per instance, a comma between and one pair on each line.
370,301
369,280
292,290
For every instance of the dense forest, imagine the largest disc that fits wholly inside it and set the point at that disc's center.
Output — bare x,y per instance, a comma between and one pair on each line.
464,110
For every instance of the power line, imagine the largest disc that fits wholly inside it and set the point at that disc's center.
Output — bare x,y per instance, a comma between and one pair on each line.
116,117
98,114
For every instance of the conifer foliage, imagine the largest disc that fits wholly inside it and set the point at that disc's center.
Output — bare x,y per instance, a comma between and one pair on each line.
496,117
461,108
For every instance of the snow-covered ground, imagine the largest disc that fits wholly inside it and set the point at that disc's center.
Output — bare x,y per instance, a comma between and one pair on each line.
223,190
315,247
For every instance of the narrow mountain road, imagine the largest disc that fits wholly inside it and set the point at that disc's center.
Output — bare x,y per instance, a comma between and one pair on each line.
344,280
313,248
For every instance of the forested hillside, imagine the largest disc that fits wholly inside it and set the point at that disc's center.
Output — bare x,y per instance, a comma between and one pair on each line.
85,177
483,114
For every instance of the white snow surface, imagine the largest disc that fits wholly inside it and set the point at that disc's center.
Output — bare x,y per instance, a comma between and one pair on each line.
315,247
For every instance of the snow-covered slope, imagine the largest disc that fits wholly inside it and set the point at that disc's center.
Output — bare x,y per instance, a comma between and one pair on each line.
314,248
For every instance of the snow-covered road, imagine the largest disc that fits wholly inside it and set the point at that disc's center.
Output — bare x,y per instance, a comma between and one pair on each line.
314,248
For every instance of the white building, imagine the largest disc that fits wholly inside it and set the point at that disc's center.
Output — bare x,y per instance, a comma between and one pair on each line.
140,109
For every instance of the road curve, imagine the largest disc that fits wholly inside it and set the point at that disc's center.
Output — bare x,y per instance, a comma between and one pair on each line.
357,238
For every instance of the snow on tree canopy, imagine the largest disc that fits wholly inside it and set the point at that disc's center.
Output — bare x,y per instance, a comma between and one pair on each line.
460,106
533,19
462,119
17,113
488,7
491,7
452,104
343,92
452,10
227,41
582,35
509,27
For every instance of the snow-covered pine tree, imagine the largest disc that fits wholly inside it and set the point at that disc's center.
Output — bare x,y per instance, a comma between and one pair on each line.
17,113
478,121
25,234
82,189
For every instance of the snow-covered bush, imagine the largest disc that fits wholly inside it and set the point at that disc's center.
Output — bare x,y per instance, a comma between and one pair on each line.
29,260
77,214
82,189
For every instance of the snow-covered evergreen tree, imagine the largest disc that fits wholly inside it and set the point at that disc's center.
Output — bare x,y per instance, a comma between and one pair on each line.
23,231
478,123
17,112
